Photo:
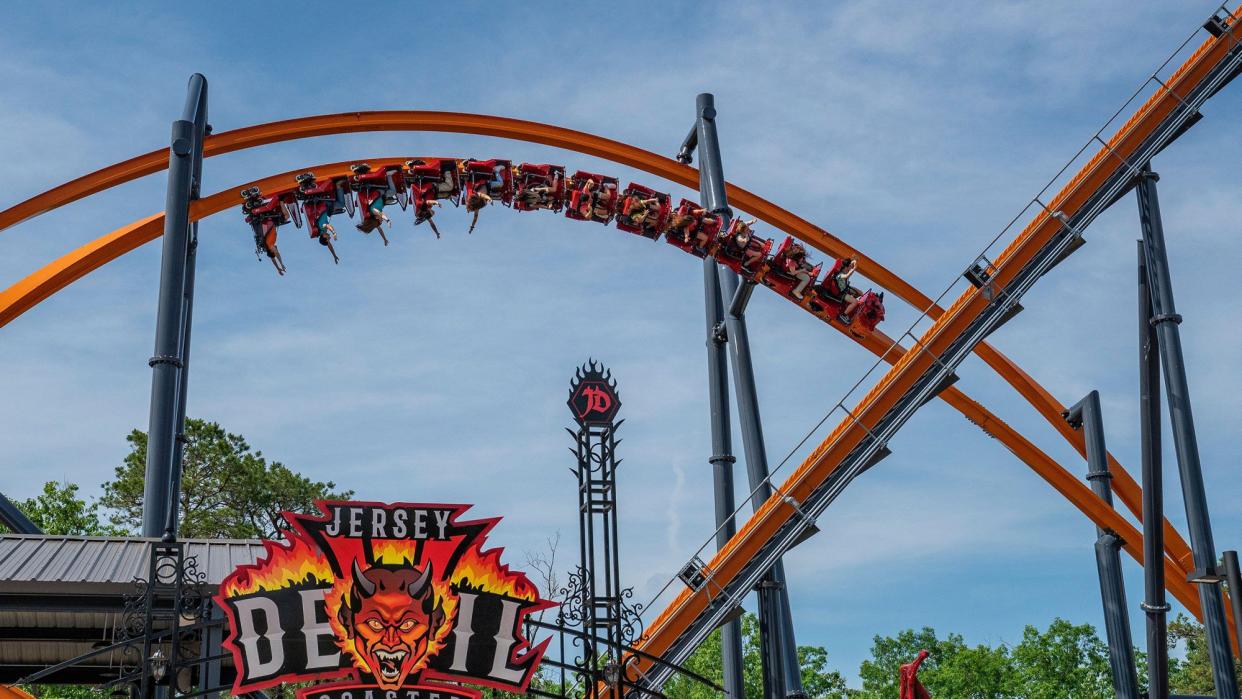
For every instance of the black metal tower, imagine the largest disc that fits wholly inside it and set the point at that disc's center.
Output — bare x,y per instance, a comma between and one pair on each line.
594,598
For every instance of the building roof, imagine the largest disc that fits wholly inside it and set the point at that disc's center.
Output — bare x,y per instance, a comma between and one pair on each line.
36,563
61,596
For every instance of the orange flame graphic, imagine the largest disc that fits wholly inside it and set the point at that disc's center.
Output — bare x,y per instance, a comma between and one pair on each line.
285,565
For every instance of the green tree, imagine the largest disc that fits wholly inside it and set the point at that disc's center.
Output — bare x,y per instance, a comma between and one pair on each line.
227,491
879,674
59,510
1067,660
817,680
1193,673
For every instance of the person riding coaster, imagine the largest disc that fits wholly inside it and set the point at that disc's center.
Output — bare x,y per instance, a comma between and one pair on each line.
424,210
476,200
596,201
485,182
318,203
838,285
265,215
644,211
429,183
538,186
373,194
739,241
789,271
592,197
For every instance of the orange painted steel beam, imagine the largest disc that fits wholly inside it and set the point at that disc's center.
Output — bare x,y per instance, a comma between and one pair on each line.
76,264
1124,485
1107,163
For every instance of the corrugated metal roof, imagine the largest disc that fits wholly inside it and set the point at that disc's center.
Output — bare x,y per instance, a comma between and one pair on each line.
62,595
27,560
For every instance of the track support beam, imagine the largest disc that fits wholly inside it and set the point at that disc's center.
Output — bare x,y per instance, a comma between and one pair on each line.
1177,392
781,670
168,365
1155,605
1088,416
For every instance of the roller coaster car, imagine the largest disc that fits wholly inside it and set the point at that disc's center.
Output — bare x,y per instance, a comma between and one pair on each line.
707,224
260,209
734,257
592,202
647,220
317,198
530,176
782,267
868,314
433,179
493,176
388,182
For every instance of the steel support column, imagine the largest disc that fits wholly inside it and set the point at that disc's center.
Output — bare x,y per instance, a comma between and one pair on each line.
1233,577
1177,390
722,461
782,674
757,472
168,363
1088,416
1154,603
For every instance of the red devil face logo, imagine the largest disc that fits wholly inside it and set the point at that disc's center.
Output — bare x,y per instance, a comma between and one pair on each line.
392,615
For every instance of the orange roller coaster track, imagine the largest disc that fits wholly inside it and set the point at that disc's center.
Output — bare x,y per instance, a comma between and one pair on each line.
92,256
35,288
956,331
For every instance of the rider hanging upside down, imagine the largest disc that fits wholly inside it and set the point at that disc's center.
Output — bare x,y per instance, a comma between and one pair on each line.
475,201
424,210
264,215
318,198
737,239
372,192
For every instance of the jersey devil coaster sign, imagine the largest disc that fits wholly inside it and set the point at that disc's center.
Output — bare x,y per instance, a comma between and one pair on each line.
399,598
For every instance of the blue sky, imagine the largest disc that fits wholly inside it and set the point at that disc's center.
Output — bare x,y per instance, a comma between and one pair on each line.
913,132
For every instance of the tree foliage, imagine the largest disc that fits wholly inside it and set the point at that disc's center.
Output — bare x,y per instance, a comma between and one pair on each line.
59,510
818,681
227,490
1192,674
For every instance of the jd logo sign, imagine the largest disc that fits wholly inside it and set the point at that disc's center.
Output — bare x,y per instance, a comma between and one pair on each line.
593,395
394,597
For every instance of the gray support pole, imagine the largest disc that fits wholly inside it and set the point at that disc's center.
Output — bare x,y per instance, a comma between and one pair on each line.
783,673
13,518
722,465
185,153
1154,603
1177,390
174,491
1233,577
718,390
1087,415
757,472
